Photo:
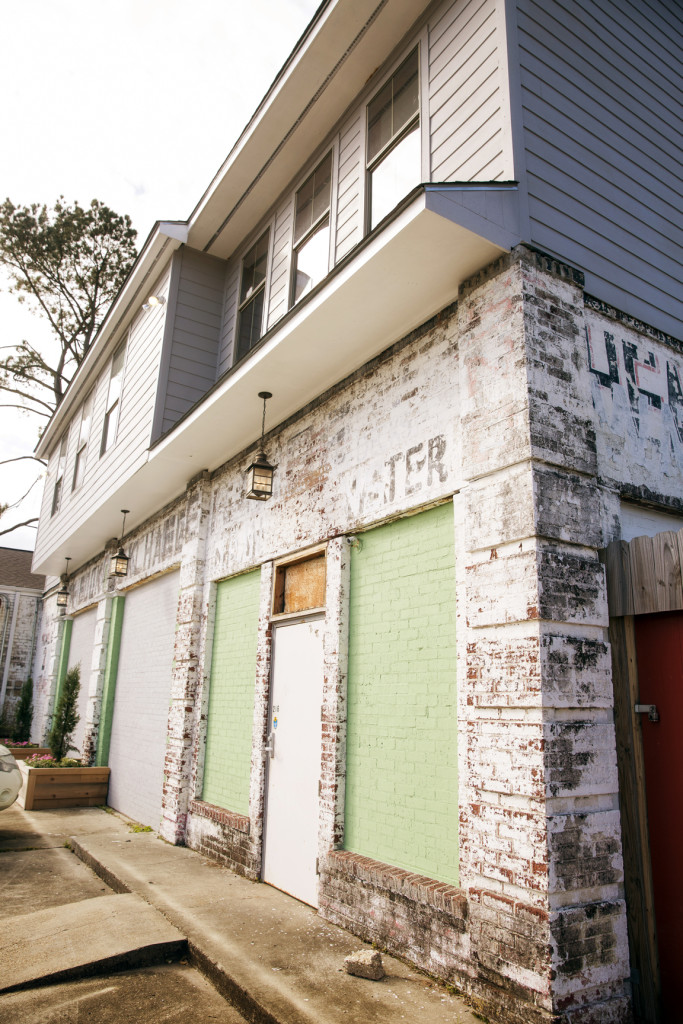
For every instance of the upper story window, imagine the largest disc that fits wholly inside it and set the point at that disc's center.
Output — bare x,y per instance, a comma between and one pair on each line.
394,150
83,438
59,479
111,416
252,296
312,229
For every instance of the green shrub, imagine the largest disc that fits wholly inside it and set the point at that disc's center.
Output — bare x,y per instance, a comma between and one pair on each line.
66,716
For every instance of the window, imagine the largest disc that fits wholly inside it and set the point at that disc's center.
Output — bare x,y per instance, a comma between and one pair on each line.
394,150
111,416
59,480
252,295
83,438
312,230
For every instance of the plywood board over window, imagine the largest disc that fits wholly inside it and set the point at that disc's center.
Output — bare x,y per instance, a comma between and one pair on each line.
299,584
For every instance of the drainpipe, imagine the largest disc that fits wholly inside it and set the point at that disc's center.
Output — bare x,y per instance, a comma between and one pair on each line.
8,656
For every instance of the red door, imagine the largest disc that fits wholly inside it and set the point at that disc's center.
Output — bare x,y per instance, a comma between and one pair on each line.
659,644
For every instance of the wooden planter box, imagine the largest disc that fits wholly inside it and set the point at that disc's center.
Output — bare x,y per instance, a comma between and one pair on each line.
50,788
21,753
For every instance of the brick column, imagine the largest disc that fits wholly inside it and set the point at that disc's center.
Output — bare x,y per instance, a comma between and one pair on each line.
540,840
186,663
95,679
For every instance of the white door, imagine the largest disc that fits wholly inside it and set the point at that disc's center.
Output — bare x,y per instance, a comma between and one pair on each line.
295,737
141,701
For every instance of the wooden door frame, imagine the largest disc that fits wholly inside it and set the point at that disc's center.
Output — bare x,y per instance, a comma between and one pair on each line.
638,885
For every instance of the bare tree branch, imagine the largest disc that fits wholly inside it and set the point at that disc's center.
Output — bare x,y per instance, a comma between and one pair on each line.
18,526
18,458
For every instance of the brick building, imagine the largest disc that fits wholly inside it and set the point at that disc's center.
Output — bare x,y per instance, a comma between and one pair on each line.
447,245
21,594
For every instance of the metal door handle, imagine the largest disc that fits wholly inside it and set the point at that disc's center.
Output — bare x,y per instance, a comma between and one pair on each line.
647,709
270,745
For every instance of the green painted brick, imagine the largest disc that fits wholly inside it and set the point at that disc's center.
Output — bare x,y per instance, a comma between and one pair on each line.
227,766
401,775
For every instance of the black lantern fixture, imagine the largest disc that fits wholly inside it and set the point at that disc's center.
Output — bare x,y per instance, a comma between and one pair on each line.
118,565
260,473
63,592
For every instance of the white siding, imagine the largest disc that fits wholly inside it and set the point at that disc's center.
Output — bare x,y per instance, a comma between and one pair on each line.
104,474
141,703
81,653
603,113
350,191
281,262
468,122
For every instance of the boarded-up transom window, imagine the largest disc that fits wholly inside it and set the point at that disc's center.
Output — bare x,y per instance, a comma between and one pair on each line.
300,585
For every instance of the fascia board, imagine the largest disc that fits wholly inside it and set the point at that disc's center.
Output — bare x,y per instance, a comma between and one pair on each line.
163,240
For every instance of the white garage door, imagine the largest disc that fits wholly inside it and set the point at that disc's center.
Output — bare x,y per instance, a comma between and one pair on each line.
143,691
80,653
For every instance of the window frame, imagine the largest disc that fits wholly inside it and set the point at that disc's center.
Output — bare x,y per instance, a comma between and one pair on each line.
298,243
414,123
250,298
109,440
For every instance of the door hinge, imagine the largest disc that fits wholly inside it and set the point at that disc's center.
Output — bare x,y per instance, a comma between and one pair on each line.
647,709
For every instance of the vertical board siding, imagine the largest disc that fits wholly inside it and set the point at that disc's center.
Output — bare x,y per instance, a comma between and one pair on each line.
227,338
402,765
196,333
602,87
349,224
227,767
278,302
466,105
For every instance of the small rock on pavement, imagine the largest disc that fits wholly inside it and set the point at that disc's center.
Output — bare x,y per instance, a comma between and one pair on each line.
367,963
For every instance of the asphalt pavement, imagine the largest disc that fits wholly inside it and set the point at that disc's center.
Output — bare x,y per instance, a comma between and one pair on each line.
103,924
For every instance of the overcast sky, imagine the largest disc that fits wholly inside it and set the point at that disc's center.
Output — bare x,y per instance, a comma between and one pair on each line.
135,103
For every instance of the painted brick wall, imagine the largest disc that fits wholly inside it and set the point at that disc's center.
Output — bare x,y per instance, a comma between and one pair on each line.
231,695
401,784
81,654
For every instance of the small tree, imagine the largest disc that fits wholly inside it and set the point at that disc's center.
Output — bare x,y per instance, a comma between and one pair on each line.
22,723
66,717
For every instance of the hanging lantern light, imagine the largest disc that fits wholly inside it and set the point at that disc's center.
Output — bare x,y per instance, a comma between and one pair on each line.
260,473
63,592
118,565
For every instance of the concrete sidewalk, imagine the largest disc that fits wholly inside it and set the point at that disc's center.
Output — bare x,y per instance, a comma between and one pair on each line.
274,958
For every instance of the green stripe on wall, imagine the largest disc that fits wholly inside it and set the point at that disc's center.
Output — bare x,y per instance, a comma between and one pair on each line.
111,668
227,766
63,664
402,777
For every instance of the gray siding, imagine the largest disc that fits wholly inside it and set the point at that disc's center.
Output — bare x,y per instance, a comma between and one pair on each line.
467,104
227,337
350,191
278,302
191,342
603,129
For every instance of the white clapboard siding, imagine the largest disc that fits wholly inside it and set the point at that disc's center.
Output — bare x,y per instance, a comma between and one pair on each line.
229,316
192,342
105,473
281,261
350,173
602,88
81,654
468,120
